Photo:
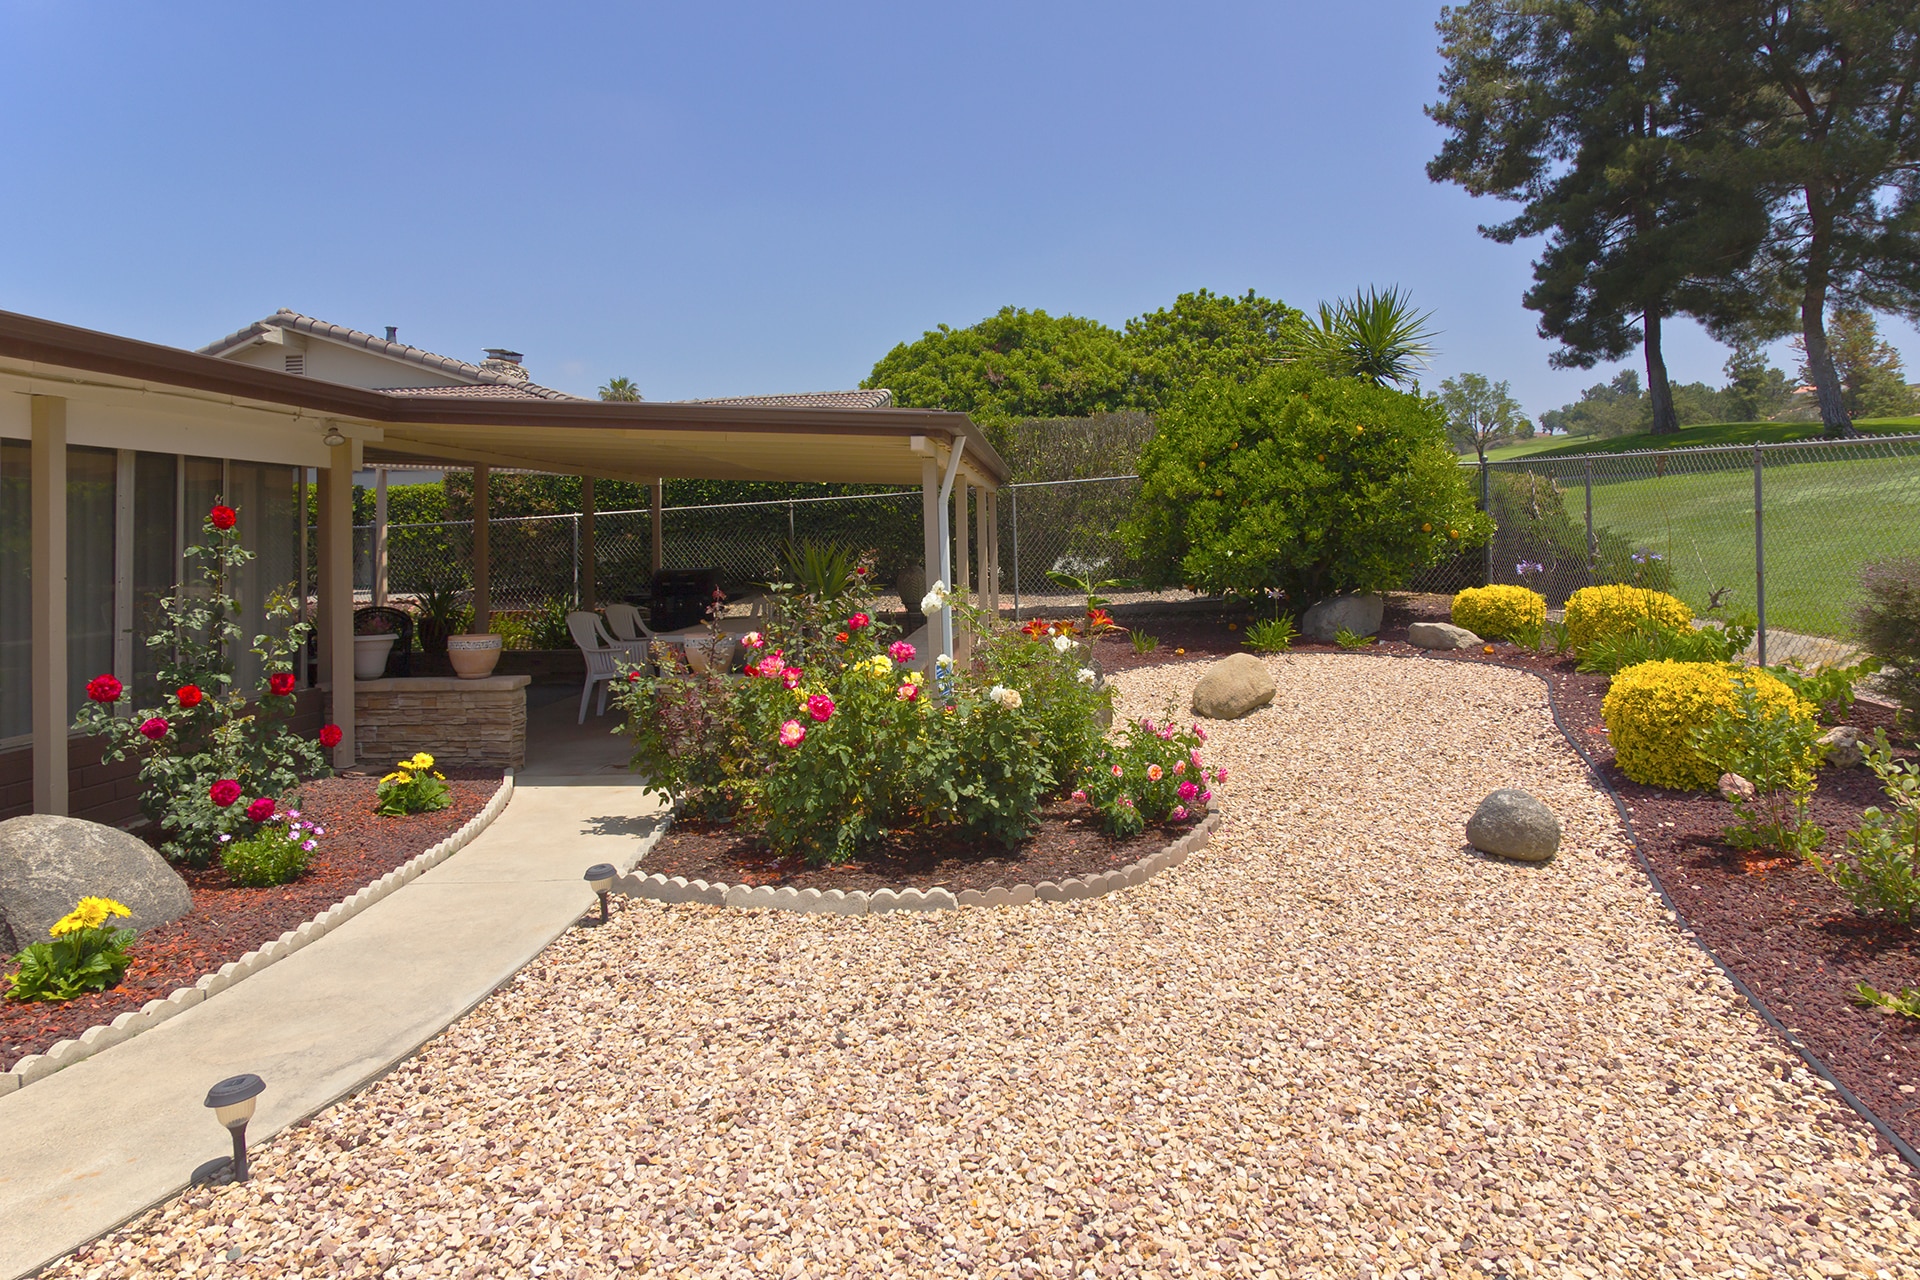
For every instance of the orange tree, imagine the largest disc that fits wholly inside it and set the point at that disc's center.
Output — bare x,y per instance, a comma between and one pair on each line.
1303,484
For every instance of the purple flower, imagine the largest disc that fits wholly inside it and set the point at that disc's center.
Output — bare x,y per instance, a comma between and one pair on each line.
308,846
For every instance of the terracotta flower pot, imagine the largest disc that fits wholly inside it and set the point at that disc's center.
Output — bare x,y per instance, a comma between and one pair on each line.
474,654
370,655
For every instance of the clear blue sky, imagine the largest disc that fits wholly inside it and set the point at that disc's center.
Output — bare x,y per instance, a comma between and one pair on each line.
738,198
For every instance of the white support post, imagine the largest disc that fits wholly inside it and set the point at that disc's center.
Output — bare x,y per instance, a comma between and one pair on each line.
961,644
379,535
123,619
945,552
336,602
930,539
482,563
47,537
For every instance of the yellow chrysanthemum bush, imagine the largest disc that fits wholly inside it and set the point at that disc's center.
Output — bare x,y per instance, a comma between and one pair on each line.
1653,710
86,954
1501,612
1593,612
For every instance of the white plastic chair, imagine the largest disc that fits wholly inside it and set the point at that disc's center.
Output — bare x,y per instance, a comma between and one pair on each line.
624,621
603,653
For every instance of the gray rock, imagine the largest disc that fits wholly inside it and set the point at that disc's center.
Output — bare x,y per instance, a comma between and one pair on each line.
1442,635
47,864
1358,614
1233,687
1734,787
1512,824
1843,747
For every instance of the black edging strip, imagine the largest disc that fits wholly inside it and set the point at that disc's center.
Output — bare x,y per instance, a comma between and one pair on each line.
1894,1140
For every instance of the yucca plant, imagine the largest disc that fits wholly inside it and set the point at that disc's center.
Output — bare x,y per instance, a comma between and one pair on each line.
1373,335
823,570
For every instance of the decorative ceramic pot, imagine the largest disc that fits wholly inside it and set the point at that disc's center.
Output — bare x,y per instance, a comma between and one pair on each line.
474,654
708,651
911,582
370,655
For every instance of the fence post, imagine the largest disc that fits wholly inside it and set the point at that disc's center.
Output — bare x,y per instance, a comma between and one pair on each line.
1486,505
1593,551
1014,490
576,555
1759,558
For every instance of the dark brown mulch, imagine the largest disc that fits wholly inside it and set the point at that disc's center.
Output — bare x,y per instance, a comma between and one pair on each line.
227,921
1066,844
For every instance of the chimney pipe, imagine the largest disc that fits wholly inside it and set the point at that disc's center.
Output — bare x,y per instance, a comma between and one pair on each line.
393,333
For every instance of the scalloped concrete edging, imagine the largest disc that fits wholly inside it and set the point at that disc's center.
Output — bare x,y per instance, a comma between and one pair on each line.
659,888
38,1066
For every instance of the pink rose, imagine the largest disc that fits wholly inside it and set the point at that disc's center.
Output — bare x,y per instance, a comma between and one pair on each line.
1194,755
1180,768
1116,771
900,651
1080,796
1205,797
859,622
792,733
753,639
1188,791
791,677
907,693
1179,814
820,707
1199,733
1219,775
153,728
1155,773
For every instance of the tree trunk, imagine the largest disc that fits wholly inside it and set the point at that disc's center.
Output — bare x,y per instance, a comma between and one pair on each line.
1659,390
1826,380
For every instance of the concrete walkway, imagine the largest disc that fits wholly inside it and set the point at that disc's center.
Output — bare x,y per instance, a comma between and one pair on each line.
91,1146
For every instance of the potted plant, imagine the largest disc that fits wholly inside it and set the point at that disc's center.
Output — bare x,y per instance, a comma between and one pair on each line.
443,612
474,653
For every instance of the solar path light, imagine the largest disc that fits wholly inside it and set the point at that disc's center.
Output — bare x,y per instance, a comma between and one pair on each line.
232,1102
601,876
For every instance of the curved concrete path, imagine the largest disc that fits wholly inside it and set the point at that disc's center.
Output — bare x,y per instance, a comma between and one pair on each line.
104,1139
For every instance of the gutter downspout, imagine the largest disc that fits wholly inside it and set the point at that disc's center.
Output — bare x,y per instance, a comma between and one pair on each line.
946,542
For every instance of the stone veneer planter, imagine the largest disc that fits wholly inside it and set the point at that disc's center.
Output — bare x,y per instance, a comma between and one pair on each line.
482,723
38,1066
660,888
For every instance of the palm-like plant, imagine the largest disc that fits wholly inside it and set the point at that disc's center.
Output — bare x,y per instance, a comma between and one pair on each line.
1374,335
620,389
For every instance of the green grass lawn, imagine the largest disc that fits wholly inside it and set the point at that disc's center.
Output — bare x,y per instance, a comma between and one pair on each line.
1823,520
1706,433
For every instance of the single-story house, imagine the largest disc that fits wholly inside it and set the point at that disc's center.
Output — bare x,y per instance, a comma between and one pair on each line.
111,449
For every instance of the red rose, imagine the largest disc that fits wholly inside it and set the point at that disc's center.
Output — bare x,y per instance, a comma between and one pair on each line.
155,728
224,792
843,637
260,810
188,695
222,517
633,677
103,689
330,736
859,622
281,682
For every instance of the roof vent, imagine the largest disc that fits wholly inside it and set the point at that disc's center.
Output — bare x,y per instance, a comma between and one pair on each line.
297,364
393,333
505,363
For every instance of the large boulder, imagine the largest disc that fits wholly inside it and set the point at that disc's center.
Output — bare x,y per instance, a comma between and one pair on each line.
1442,635
1232,687
1512,824
1358,614
47,864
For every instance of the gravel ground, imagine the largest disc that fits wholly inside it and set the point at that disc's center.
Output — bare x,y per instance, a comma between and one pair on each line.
1336,1042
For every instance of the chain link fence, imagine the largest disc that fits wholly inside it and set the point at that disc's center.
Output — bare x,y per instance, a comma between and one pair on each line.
1777,530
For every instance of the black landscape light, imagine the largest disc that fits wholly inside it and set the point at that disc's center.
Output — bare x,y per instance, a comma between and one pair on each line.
601,875
232,1102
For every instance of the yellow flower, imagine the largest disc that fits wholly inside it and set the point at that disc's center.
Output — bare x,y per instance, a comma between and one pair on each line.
421,760
916,677
89,913
398,776
441,776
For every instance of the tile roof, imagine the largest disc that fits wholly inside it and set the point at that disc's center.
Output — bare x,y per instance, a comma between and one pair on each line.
479,391
880,398
520,388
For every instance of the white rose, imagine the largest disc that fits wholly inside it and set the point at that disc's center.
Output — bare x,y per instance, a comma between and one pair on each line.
935,599
1084,675
1062,643
1008,698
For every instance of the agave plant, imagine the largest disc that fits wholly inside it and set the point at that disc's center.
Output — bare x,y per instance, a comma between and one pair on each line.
1373,335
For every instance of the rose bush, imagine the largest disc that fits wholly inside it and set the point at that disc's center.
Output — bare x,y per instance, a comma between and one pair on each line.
1153,773
206,735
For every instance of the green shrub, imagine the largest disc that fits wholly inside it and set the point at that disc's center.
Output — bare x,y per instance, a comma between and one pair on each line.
1655,641
276,853
1778,752
86,955
412,787
1143,644
1501,612
1652,710
1064,703
1593,612
1829,688
1351,639
1301,483
1880,870
1153,773
1271,635
823,570
1888,623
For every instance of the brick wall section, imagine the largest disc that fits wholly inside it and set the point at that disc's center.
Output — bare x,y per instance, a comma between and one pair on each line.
109,793
457,722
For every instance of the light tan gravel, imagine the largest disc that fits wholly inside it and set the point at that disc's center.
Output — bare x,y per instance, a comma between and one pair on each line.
1336,1043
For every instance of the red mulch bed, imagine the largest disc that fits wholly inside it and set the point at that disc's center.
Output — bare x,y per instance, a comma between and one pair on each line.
226,921
1790,935
1066,844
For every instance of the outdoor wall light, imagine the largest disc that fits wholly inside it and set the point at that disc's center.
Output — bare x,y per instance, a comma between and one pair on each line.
232,1102
601,875
333,439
